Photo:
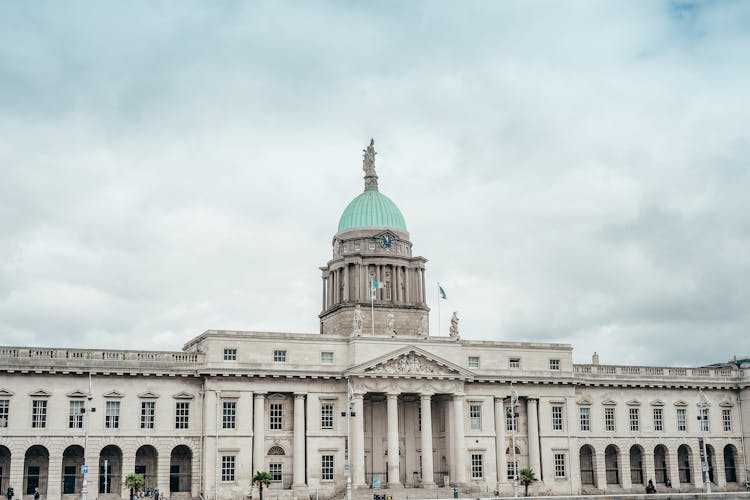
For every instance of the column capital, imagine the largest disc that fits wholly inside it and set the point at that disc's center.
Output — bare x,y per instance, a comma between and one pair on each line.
426,396
358,395
300,395
459,395
501,398
393,395
260,395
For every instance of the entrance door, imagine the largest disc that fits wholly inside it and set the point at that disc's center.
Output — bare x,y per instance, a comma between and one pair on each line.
32,476
69,479
174,478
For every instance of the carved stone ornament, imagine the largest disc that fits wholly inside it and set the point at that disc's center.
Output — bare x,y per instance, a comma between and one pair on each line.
357,321
389,324
410,364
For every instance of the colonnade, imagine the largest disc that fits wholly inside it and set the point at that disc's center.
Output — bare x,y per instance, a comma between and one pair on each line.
350,282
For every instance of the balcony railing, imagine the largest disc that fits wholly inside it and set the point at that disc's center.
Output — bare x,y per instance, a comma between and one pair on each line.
608,371
70,357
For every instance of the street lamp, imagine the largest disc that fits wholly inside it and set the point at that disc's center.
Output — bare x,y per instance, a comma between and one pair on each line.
703,418
86,409
513,415
348,414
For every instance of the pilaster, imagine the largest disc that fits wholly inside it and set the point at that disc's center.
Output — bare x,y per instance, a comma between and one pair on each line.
358,441
259,434
500,458
533,425
299,441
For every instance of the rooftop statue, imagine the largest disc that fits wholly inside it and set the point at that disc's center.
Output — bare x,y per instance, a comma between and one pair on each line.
368,165
454,325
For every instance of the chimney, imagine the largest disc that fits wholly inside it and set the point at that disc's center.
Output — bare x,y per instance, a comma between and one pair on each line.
595,359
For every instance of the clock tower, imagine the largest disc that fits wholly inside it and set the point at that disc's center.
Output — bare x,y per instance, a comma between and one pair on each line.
373,285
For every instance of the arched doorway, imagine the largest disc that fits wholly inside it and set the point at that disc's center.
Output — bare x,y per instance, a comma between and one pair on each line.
145,464
36,469
110,471
730,470
587,457
278,465
711,457
4,468
661,466
636,464
684,461
612,464
180,467
71,466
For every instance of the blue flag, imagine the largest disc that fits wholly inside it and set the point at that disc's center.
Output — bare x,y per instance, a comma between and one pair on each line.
442,292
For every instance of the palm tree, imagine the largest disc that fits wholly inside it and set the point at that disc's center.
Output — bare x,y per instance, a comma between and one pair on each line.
260,479
527,477
135,482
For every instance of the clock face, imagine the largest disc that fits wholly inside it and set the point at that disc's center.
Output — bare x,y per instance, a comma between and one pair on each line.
386,240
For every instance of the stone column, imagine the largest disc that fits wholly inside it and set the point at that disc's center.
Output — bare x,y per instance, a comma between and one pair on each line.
358,441
393,458
427,468
324,294
500,458
259,434
407,283
423,294
345,270
533,421
459,434
329,290
357,282
298,465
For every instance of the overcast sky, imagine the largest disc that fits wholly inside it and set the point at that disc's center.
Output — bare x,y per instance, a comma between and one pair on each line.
574,171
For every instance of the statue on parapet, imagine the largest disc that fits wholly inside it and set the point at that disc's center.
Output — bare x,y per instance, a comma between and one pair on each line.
454,325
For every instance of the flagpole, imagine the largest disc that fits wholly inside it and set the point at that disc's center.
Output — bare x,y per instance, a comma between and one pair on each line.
438,301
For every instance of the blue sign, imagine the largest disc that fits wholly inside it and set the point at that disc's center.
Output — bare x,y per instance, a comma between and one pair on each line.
376,482
84,469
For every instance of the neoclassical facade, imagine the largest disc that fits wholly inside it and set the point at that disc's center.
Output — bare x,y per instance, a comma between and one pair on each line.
411,410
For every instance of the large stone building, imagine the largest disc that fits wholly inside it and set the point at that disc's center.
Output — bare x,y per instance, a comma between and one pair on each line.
425,411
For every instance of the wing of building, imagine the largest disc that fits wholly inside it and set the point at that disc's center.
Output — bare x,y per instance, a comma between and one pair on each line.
422,411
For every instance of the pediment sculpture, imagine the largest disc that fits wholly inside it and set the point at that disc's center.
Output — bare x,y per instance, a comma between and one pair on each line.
410,364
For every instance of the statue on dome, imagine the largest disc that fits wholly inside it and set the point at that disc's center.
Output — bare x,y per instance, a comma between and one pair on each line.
357,321
368,162
453,332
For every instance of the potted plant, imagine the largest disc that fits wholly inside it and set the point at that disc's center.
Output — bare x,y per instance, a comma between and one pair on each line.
261,479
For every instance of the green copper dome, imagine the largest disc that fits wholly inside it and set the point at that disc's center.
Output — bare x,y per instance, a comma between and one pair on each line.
371,209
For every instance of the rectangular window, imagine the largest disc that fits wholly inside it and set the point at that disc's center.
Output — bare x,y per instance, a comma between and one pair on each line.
477,467
703,415
39,413
658,419
230,354
326,416
276,417
274,470
473,361
326,467
585,418
512,468
559,465
511,421
326,358
112,415
609,419
475,417
726,419
229,415
635,419
182,416
4,412
227,468
554,364
148,412
514,363
75,415
279,356
557,417
681,419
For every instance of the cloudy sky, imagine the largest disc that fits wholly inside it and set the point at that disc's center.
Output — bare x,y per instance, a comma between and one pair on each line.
574,171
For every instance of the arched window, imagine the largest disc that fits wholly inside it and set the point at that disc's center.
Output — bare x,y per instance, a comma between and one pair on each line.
276,450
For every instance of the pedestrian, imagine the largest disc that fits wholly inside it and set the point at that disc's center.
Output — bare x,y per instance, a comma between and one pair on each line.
650,489
36,493
156,493
10,493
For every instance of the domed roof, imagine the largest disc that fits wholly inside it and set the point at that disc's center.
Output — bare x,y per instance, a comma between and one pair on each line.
371,209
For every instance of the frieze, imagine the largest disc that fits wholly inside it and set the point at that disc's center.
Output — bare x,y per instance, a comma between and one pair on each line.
410,364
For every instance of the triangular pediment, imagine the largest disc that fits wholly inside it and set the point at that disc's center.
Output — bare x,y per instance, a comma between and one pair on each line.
633,402
412,361
5,392
584,402
609,402
182,395
114,394
40,393
657,402
148,395
76,394
680,403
